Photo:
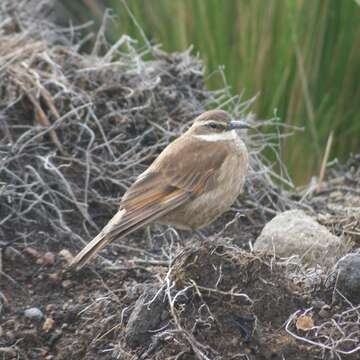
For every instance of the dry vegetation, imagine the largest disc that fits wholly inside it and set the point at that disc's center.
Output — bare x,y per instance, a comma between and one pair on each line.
76,129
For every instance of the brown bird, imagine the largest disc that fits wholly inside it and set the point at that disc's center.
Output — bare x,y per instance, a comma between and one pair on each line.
192,182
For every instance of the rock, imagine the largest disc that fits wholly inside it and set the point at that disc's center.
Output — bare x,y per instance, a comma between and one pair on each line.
49,259
49,307
295,233
39,261
48,324
66,284
347,272
71,313
66,255
304,323
145,317
325,311
317,304
34,313
54,338
55,278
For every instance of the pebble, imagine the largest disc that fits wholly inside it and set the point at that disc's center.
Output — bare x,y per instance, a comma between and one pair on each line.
66,255
348,278
144,317
317,304
55,278
325,311
304,323
40,261
66,284
48,324
34,313
49,307
49,259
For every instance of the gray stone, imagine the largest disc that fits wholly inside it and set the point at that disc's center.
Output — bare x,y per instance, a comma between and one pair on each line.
146,316
348,277
295,233
34,314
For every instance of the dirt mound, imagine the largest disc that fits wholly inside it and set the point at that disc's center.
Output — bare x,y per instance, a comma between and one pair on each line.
218,301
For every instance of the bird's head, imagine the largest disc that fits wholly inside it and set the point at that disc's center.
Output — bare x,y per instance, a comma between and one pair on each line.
216,125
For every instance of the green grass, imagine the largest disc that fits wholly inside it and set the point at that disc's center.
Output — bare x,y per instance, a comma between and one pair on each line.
302,57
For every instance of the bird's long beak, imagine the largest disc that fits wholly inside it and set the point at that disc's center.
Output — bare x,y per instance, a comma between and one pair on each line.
238,124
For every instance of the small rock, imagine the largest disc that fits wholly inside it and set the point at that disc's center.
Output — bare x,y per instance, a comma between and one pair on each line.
71,313
66,284
347,272
304,323
49,259
66,255
317,304
325,311
145,317
34,314
39,261
49,307
48,324
54,338
296,233
55,278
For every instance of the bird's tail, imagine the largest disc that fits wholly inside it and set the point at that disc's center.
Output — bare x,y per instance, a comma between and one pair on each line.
127,221
95,245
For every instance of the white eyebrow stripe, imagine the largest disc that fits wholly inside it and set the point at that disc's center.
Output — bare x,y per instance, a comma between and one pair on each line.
225,136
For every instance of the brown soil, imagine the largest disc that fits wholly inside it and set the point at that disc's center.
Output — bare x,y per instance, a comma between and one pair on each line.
91,308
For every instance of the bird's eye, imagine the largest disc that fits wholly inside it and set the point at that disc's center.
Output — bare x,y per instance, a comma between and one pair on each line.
214,125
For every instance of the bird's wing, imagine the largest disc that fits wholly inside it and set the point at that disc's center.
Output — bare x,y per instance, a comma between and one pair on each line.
187,167
184,171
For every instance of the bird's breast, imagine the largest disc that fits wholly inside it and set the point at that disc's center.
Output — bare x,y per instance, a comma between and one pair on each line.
205,208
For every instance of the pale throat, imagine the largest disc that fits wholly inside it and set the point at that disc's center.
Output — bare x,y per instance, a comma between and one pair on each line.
224,136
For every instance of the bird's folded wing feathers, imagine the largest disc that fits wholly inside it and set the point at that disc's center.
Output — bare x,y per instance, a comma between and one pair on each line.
169,182
189,166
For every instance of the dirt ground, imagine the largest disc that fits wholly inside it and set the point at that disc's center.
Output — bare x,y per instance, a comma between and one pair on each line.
216,301
89,310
